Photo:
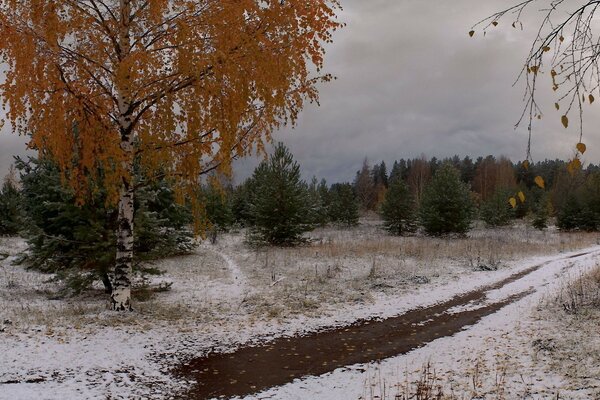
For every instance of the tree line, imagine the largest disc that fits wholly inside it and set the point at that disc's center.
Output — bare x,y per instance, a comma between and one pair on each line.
276,206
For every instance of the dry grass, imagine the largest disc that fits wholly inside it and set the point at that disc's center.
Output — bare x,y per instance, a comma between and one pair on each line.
339,267
569,343
480,380
347,266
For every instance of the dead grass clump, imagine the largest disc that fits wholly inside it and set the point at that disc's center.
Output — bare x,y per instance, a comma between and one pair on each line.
475,381
568,342
581,294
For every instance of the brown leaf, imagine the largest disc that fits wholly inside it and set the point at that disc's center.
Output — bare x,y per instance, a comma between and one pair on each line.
565,121
581,147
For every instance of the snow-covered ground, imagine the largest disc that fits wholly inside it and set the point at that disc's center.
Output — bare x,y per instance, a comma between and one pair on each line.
227,295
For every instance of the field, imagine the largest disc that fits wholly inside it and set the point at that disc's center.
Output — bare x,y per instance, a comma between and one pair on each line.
229,294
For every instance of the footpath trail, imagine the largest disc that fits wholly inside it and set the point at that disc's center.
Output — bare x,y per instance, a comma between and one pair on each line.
253,369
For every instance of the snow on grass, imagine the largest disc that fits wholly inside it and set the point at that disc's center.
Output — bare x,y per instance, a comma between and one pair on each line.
228,295
496,358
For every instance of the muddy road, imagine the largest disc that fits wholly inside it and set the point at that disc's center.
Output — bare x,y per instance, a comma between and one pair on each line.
253,369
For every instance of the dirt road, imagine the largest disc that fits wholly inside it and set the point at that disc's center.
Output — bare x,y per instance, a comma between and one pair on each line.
252,369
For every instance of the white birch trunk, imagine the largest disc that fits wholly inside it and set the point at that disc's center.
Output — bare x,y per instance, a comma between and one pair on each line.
121,288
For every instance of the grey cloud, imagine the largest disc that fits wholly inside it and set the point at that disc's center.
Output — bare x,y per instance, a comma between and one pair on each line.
411,81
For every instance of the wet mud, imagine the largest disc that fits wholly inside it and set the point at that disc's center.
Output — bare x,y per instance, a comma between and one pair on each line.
250,370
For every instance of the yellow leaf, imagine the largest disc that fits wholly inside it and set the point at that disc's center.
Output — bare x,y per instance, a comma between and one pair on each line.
534,69
513,202
565,121
521,197
592,98
574,166
540,182
526,164
581,147
471,33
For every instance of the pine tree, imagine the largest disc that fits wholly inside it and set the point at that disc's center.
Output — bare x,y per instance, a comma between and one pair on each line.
318,195
77,241
241,203
398,209
397,171
447,206
280,208
163,225
573,215
364,187
540,214
343,206
11,218
497,211
218,208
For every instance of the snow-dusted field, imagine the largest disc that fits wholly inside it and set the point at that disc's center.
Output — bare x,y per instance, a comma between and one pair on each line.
228,294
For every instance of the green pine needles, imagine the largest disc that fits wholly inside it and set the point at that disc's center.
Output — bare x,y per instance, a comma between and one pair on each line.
447,206
280,210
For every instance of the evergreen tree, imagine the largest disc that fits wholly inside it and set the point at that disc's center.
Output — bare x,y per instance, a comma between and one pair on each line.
241,203
280,208
162,224
467,170
575,216
343,205
540,213
397,171
77,242
364,187
497,211
398,209
447,206
318,194
380,176
217,207
11,218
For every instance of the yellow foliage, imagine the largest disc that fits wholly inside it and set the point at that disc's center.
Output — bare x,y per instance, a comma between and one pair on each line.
574,165
540,182
180,86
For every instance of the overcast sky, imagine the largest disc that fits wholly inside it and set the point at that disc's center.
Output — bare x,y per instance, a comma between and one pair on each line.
411,81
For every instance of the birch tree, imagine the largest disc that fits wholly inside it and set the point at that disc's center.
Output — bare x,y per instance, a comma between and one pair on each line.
179,87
